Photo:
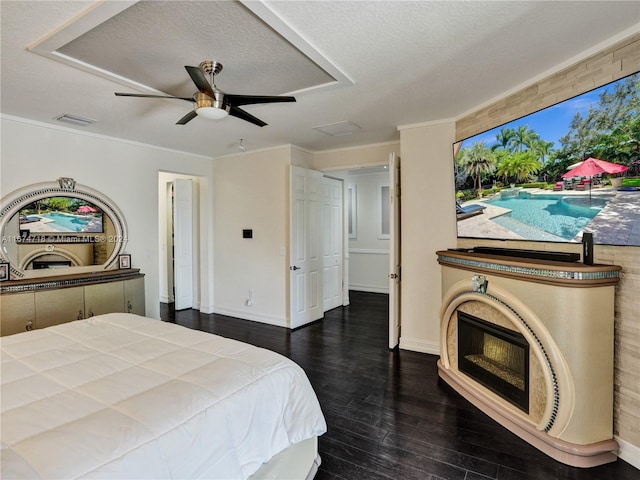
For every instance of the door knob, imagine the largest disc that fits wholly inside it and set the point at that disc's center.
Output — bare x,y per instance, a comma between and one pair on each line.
294,268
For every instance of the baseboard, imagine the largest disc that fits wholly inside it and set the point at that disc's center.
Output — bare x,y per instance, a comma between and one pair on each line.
207,309
255,317
421,346
369,288
628,452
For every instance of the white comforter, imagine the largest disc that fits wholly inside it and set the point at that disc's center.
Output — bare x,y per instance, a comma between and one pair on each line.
124,396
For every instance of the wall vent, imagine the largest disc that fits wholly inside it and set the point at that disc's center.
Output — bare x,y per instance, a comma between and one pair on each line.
338,129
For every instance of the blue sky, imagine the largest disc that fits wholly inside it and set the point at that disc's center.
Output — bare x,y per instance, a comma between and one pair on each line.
551,124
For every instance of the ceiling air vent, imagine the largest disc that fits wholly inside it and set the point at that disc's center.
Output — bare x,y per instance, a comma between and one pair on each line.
75,119
338,129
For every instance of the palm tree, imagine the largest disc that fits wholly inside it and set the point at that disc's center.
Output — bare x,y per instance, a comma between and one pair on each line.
503,139
542,149
525,164
523,137
518,166
478,160
505,167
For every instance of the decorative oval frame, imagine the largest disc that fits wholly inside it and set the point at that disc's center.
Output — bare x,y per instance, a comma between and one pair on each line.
11,204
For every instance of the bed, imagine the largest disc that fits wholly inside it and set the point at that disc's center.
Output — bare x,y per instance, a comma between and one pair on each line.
124,396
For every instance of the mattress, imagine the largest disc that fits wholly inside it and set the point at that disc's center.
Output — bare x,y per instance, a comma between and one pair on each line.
124,396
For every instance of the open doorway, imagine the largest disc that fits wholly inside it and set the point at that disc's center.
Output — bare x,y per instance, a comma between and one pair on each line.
368,229
179,234
372,231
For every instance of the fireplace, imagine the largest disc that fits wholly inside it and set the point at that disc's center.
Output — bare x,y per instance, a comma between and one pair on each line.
496,357
39,265
530,343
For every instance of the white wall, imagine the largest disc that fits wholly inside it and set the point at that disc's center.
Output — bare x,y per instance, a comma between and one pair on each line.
125,172
251,191
368,253
348,158
428,225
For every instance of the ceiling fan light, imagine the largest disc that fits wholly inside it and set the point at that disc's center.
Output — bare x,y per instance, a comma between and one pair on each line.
212,113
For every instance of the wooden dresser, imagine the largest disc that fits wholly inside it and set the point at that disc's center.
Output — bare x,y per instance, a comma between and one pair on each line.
39,303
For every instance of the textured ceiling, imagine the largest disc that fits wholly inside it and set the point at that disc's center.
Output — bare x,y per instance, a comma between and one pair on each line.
378,64
152,35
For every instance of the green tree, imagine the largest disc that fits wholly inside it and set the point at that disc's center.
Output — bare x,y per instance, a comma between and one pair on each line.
523,138
477,160
518,166
542,150
525,164
622,145
609,128
60,204
503,169
503,139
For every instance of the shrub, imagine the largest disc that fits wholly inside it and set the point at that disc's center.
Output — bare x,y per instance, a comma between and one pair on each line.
631,182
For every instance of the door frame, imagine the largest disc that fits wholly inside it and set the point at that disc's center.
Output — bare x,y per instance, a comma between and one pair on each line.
202,239
395,260
398,246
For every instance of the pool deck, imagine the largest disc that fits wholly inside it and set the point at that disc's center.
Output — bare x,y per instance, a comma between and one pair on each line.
617,224
39,226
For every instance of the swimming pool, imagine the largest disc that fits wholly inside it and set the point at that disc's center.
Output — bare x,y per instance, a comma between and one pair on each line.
563,216
62,222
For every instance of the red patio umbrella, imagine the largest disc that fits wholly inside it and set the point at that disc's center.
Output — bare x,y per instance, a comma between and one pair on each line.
594,166
86,209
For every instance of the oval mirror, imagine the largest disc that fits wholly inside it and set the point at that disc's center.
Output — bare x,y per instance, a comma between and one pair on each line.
56,228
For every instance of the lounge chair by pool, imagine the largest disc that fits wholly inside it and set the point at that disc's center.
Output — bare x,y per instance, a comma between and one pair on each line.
467,211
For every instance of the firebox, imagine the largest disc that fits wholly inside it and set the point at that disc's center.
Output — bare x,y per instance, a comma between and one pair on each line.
496,357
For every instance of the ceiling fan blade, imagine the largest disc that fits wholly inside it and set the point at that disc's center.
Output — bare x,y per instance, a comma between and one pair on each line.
239,113
197,75
142,95
237,100
187,118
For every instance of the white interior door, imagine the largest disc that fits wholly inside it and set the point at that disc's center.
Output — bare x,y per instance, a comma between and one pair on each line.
305,265
394,250
332,242
183,243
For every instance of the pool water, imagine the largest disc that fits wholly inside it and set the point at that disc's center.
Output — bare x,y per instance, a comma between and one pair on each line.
563,216
67,223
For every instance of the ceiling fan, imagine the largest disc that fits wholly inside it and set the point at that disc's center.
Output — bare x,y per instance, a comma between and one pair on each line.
212,103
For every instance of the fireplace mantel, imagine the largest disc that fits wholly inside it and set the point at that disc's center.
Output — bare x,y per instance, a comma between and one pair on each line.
573,274
565,312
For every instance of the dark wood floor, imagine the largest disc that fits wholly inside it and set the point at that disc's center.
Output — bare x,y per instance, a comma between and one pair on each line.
388,416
